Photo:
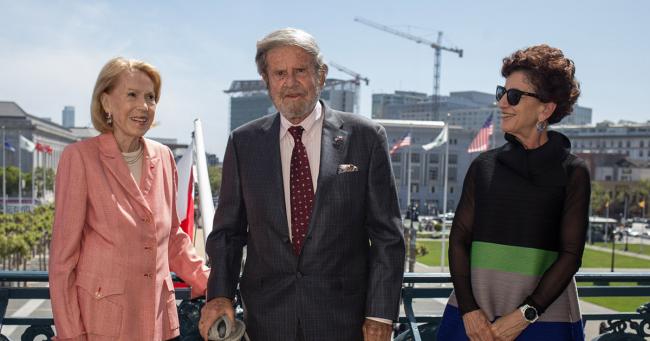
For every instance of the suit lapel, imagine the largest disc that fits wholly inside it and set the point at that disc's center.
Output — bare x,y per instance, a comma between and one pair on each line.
271,138
113,161
334,146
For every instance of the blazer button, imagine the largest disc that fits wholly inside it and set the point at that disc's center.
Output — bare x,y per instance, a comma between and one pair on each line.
299,275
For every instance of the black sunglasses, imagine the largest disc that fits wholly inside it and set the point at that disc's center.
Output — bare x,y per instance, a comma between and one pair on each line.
513,95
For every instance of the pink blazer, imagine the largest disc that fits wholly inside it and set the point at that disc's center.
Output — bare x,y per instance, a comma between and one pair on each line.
114,243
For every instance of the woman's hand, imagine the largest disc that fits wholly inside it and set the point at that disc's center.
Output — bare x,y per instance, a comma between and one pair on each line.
477,326
510,326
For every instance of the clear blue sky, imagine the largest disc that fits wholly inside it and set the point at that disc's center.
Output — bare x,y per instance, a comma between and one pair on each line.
51,51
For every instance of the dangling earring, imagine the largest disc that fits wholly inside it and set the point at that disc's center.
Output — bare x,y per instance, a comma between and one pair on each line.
541,125
109,119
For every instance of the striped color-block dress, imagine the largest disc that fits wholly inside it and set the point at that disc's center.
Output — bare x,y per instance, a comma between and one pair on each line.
518,237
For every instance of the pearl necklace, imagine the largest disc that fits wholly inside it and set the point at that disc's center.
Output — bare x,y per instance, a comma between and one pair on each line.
133,159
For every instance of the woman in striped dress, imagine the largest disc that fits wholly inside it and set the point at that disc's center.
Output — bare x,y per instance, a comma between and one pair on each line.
519,231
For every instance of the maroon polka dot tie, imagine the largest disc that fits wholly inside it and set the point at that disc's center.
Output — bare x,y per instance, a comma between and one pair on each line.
302,190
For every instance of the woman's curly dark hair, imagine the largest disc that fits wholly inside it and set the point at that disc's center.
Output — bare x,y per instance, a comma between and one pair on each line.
552,75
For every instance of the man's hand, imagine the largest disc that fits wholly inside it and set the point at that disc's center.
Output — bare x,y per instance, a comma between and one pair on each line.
477,326
212,311
376,331
510,326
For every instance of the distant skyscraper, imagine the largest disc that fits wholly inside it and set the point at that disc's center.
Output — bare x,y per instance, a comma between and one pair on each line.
68,116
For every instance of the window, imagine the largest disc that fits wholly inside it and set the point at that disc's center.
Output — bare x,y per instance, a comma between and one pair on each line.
433,173
452,174
415,158
415,188
397,157
453,159
627,143
433,189
434,158
451,189
415,174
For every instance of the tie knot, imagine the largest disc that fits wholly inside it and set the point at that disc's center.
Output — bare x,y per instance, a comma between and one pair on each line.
296,132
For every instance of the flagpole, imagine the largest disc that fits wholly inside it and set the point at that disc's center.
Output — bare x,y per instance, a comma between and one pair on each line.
42,162
408,176
4,174
20,178
444,198
33,178
203,180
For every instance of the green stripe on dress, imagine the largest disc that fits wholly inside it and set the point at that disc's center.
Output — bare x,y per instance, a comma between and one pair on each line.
523,260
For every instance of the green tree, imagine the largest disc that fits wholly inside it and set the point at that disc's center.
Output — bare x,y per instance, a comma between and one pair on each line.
23,235
38,179
12,180
599,199
214,173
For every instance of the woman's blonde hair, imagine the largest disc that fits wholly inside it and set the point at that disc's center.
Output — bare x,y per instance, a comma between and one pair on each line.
106,81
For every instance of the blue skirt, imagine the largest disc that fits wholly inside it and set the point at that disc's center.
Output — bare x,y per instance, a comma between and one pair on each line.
452,329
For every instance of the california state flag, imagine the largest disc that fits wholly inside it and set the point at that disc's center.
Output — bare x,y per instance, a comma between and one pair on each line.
185,197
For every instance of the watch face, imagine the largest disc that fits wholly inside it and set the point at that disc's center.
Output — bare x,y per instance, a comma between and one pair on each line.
530,313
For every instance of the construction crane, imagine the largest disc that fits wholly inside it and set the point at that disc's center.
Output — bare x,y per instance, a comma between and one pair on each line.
437,46
357,82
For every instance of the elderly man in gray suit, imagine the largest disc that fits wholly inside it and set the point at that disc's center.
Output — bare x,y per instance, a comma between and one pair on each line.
310,192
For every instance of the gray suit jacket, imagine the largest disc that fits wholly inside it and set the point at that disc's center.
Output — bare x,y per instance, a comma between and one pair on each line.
352,262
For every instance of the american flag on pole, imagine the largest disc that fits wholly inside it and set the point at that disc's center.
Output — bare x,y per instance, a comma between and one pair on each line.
482,139
403,142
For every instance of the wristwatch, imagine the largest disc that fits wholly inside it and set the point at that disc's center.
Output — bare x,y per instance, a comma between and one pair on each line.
529,312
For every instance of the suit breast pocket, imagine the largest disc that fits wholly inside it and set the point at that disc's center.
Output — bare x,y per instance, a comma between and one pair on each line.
100,304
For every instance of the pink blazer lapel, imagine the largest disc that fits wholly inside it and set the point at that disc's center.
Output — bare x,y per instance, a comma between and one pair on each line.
113,161
151,164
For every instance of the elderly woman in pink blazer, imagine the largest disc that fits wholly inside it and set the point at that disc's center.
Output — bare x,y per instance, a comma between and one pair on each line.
116,234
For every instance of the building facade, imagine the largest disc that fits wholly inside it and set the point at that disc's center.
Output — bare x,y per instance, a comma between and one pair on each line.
629,139
427,167
16,122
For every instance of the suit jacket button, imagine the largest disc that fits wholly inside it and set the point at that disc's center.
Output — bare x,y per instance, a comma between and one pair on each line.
299,275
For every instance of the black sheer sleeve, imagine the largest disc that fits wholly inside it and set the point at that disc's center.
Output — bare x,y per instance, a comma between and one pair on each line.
573,230
460,243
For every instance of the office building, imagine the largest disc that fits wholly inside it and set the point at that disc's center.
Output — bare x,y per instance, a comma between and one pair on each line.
67,117
630,139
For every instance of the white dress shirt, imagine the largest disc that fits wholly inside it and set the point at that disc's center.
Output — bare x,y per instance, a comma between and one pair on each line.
311,136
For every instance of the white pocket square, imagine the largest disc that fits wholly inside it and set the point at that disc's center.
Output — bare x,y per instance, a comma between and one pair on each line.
346,168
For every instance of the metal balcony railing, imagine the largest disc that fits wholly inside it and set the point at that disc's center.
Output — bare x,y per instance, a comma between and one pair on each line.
416,286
